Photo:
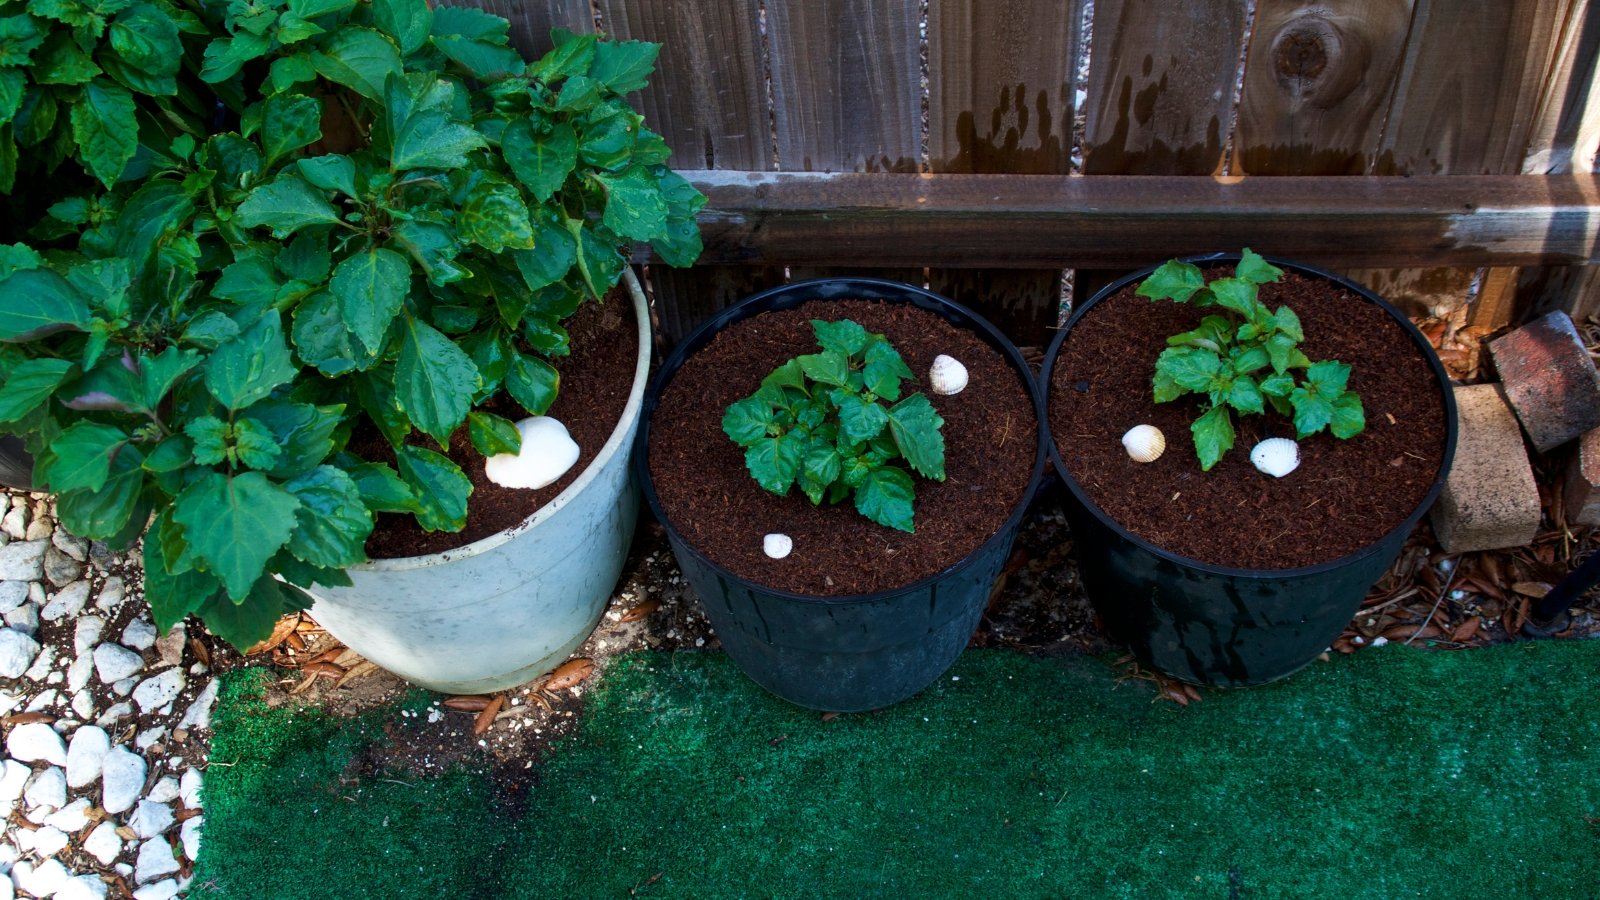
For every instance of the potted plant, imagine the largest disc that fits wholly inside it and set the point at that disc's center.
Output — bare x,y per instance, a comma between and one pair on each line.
1232,568
842,512
308,319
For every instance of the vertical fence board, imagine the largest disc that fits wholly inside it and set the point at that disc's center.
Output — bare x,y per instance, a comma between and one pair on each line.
531,20
708,99
1160,86
1317,85
1000,99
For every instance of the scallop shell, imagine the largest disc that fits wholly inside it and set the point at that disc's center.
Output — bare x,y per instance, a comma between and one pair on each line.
777,546
947,375
1144,443
1276,456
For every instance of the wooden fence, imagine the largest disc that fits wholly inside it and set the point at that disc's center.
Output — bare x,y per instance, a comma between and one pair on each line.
1445,147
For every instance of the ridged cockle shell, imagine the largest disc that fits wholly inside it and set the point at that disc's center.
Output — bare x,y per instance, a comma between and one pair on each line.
1276,456
947,375
1144,443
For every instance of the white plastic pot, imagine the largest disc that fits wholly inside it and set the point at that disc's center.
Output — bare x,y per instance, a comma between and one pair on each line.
510,607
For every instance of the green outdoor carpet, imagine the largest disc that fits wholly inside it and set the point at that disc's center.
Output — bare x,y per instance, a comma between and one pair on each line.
1393,773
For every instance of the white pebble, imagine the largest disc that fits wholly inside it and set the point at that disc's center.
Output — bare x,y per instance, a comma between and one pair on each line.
84,887
13,778
17,652
103,843
67,602
42,880
161,890
165,791
71,818
548,451
155,860
87,755
947,375
190,835
121,779
150,819
777,546
49,841
35,742
159,690
47,791
1276,456
114,663
140,634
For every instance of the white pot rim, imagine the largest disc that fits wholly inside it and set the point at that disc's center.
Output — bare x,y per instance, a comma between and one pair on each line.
617,443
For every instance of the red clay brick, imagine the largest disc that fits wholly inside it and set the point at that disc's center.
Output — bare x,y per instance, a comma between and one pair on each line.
1549,380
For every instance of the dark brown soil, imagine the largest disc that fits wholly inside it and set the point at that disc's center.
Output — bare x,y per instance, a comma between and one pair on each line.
595,381
1344,495
708,495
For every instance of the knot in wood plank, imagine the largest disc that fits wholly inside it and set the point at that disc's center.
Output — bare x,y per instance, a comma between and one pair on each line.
1317,61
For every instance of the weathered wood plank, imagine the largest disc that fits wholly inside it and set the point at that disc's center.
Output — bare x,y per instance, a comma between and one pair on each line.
1566,129
1036,221
1160,89
531,20
846,85
1317,85
686,297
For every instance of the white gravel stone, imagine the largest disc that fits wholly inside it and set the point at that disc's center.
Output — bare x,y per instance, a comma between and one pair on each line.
190,786
161,890
47,790
79,671
70,544
24,618
39,529
114,663
140,634
112,715
43,701
8,858
199,713
170,646
48,841
36,741
83,704
111,594
190,835
150,737
159,691
103,843
155,860
84,887
165,791
42,880
121,779
87,755
15,523
13,778
59,568
12,595
150,819
86,633
68,602
17,652
40,670
124,687
72,818
10,700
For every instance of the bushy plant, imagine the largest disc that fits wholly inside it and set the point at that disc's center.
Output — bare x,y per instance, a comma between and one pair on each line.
1245,358
391,230
834,421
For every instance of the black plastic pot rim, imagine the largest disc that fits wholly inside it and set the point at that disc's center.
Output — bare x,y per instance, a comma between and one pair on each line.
1439,374
849,288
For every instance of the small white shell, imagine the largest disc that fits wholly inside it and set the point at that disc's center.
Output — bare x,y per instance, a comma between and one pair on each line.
1144,443
1276,456
947,375
548,451
777,546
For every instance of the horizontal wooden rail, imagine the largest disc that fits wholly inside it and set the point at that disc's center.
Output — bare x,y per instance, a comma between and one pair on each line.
1034,221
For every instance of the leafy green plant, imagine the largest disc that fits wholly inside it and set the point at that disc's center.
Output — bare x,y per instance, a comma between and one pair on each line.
1246,358
388,237
834,421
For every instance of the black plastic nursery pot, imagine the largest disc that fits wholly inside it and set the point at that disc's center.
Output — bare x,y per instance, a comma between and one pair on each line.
16,464
1216,625
855,652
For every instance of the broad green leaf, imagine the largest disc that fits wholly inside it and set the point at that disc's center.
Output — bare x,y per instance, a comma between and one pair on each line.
422,130
475,40
1251,359
682,244
607,142
492,435
20,35
382,489
441,488
491,352
1164,389
235,524
332,523
371,288
545,336
775,462
1253,268
552,257
434,247
885,496
435,380
83,455
1288,323
322,340
1279,385
172,595
843,336
237,161
289,122
306,259
331,172
172,454
311,9
12,84
21,257
915,425
1328,378
884,370
375,390
1280,350
787,375
1312,411
407,21
250,366
1236,295
148,52
1173,280
1349,418
105,282
210,330
226,56
828,367
303,574
859,420
210,439
533,383
62,61
288,71
573,55
157,374
746,421
304,432
255,446
250,280
495,218
1245,396
248,620
624,66
541,162
103,125
30,384
821,466
105,512
601,264
286,204
1213,436
1189,367
579,93
358,58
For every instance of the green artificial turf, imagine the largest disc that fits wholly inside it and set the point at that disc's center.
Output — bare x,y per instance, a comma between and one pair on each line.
1393,773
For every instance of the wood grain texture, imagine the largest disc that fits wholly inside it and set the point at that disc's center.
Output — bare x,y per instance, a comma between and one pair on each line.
846,85
1566,128
1160,89
1037,221
1317,85
531,20
686,297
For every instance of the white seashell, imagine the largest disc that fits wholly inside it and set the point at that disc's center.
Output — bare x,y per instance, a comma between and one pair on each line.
947,375
548,451
1144,443
777,546
1276,456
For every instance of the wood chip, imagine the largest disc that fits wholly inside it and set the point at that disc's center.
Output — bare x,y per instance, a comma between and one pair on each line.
468,703
486,718
304,685
640,611
359,670
280,633
829,716
325,669
295,642
347,658
571,673
27,718
1466,629
126,833
1534,589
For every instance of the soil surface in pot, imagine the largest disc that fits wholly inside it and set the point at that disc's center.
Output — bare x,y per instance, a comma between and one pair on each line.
1345,494
595,382
708,495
